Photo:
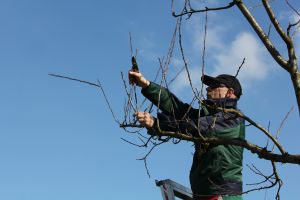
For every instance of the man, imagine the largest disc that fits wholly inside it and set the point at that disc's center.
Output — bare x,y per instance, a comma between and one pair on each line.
216,172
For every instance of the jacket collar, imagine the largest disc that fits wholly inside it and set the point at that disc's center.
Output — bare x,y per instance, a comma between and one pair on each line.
224,102
210,105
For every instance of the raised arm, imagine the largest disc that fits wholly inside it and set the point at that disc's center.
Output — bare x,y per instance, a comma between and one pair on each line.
161,97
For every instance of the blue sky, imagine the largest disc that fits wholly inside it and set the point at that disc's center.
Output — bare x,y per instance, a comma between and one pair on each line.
58,139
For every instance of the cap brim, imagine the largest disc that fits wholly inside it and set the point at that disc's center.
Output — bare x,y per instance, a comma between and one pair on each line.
208,80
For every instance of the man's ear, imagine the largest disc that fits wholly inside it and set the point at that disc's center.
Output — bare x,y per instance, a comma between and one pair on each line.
230,93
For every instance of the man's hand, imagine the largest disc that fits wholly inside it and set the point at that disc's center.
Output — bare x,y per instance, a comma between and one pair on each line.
138,79
145,119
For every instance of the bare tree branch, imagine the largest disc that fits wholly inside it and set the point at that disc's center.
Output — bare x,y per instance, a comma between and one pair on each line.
291,65
275,23
273,179
264,38
261,152
191,10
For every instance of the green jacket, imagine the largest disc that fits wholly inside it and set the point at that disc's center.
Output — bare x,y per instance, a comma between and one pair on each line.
215,169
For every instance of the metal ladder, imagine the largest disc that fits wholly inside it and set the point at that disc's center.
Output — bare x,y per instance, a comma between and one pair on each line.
170,190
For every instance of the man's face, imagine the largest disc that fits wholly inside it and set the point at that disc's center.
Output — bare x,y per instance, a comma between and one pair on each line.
217,91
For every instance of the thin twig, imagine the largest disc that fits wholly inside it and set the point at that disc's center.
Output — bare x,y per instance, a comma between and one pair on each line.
75,79
238,71
128,93
184,60
137,145
130,44
191,11
274,176
202,72
107,102
282,123
146,156
92,84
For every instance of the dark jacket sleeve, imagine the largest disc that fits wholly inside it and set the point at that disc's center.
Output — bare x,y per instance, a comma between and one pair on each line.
219,125
169,123
168,102
185,126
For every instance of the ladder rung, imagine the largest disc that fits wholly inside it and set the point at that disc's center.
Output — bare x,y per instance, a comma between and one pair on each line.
170,189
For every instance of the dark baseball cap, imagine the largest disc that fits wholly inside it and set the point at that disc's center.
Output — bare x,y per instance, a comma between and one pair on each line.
226,79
